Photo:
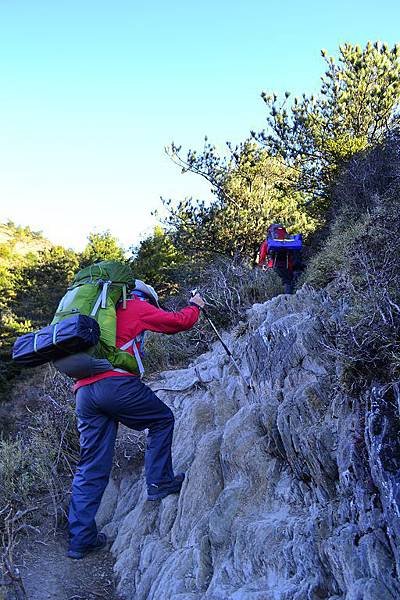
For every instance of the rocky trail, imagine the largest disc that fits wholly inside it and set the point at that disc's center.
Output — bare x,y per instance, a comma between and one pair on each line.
291,489
48,575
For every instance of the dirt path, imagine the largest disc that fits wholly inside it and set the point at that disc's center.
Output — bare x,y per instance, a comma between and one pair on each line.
48,574
45,570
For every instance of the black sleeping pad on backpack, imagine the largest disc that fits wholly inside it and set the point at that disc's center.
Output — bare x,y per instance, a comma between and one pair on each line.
75,334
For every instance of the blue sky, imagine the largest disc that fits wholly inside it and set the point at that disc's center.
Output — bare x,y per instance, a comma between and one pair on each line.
92,91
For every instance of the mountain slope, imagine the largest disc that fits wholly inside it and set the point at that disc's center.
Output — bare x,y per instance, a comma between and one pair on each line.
291,489
20,241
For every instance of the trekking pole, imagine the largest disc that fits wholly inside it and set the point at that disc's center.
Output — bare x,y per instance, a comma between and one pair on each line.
229,353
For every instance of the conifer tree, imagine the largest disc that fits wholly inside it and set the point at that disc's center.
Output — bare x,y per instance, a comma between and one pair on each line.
357,105
252,190
101,246
156,260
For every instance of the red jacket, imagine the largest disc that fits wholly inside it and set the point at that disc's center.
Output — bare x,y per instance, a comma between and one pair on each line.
140,316
263,254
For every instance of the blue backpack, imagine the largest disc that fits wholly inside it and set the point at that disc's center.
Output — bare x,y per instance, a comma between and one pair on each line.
284,252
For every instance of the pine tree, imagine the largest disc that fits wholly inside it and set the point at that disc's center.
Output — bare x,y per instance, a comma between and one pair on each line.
357,105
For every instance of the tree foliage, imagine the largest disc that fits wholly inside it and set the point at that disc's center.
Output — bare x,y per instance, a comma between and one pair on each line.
33,275
42,284
19,247
252,190
286,172
101,246
156,260
356,107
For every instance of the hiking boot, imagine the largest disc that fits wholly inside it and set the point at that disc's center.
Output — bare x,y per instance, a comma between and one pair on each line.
161,490
101,542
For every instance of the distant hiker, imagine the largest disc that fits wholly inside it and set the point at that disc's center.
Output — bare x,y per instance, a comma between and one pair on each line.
282,252
117,396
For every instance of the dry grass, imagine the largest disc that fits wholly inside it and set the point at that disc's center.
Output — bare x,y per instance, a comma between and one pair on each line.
365,285
230,287
36,465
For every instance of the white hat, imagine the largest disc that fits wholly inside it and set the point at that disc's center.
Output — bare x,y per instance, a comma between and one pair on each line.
141,286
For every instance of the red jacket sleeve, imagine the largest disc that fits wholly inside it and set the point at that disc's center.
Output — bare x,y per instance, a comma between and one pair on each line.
161,321
263,253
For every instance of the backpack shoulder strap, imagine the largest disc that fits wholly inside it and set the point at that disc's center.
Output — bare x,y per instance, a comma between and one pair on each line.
132,343
96,305
101,299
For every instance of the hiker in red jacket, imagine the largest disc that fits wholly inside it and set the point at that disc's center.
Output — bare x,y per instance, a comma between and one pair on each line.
286,263
116,396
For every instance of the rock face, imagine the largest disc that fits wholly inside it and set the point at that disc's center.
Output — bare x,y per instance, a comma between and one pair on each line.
291,490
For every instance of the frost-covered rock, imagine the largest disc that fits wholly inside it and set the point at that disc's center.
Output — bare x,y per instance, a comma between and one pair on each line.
291,489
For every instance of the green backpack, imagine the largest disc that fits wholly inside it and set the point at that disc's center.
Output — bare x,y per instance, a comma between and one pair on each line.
95,292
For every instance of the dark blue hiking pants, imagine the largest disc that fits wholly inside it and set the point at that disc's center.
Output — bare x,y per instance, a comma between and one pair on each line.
287,278
100,407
